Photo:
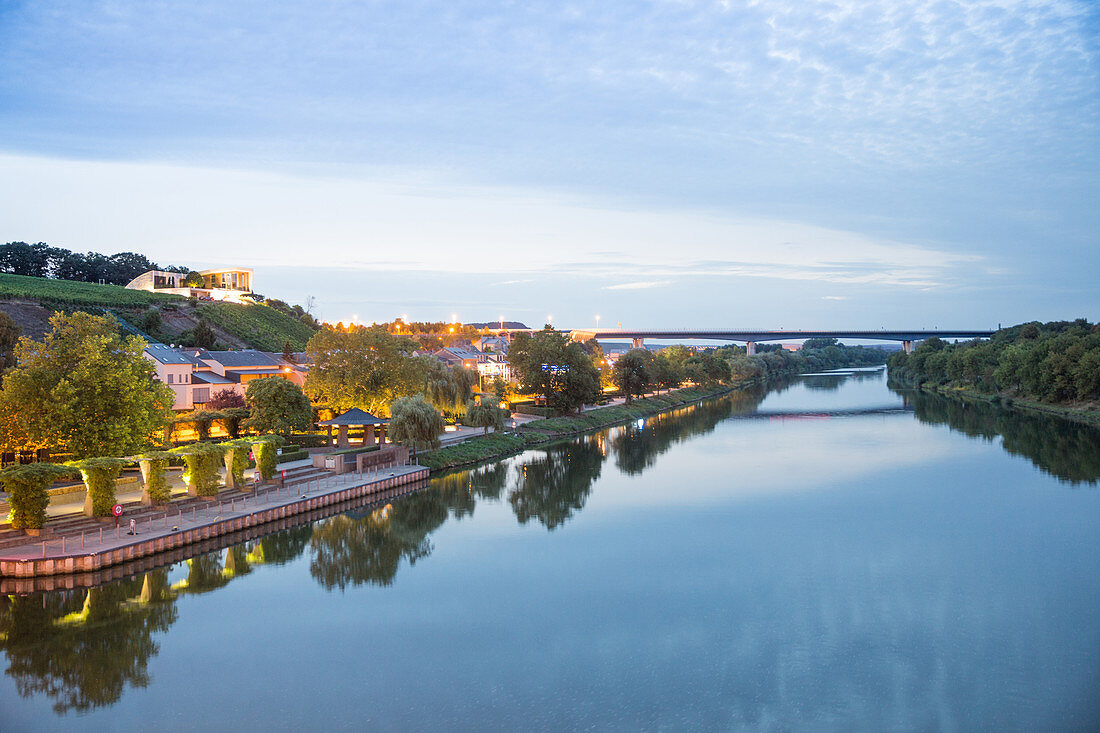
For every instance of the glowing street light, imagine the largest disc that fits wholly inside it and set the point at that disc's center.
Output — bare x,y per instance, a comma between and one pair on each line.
597,322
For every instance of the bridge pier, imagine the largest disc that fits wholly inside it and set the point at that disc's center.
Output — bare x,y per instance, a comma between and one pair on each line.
637,344
750,348
907,347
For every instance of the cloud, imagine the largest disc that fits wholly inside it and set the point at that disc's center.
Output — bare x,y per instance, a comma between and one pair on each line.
638,285
835,297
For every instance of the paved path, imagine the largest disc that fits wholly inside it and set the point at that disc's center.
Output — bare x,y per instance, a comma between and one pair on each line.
88,536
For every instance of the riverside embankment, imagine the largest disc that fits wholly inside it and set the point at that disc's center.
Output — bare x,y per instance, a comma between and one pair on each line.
538,432
87,546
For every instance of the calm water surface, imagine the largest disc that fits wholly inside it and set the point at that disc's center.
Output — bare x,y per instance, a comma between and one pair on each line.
831,555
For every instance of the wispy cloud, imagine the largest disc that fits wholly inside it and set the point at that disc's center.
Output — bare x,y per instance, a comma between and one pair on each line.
638,285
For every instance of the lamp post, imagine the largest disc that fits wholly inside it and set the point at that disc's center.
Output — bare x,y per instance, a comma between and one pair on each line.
597,323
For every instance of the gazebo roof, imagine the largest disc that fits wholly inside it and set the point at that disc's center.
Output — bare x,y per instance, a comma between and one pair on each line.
355,416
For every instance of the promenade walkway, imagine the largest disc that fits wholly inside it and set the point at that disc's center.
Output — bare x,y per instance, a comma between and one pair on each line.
75,543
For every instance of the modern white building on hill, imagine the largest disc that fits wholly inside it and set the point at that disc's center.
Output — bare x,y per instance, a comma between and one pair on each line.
233,284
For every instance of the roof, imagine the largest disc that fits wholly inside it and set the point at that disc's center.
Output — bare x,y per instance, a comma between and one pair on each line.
210,378
168,355
458,353
355,416
246,358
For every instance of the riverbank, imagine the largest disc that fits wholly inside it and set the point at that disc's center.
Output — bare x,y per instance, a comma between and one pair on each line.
93,546
1083,415
539,432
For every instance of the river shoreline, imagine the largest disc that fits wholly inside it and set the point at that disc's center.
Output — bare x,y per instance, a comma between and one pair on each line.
967,394
496,446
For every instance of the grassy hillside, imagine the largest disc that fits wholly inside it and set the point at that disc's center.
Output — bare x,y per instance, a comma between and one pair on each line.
236,326
263,328
68,293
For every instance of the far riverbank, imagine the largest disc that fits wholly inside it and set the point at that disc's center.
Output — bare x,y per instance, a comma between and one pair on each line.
539,432
1084,415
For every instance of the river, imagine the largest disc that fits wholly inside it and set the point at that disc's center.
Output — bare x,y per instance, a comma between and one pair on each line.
827,555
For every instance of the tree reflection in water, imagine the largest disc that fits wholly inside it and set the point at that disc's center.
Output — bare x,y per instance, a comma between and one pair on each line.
553,486
82,648
638,447
1066,450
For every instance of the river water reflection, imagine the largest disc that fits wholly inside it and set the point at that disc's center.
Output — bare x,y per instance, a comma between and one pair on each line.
830,554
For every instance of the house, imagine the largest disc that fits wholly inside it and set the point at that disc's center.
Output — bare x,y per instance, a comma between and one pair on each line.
196,374
231,284
459,356
494,344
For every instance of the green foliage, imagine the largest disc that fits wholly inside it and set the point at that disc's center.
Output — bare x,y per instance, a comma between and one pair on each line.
415,422
485,415
202,335
225,398
153,466
265,448
100,477
193,280
476,449
26,486
236,458
9,337
258,325
550,365
150,321
363,367
200,421
499,389
233,418
203,460
1055,363
278,406
633,373
67,293
447,388
83,390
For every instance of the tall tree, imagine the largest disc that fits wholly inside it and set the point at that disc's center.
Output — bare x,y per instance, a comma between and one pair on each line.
549,364
9,337
415,422
84,389
278,406
363,367
633,373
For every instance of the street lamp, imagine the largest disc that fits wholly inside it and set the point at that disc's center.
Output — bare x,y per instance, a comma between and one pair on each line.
597,323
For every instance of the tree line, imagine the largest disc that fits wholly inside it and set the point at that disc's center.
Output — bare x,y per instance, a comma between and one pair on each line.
1056,362
42,260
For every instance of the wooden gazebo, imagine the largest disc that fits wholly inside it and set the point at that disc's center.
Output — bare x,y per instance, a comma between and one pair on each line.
357,418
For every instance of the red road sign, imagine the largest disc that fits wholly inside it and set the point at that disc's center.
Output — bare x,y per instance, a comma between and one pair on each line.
117,510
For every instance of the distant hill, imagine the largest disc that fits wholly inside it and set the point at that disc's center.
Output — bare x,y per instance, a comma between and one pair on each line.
496,324
30,301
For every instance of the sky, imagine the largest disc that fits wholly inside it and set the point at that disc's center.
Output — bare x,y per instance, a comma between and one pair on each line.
667,164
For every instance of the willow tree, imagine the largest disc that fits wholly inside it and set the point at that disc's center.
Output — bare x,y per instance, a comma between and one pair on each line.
100,479
414,422
202,461
26,485
85,389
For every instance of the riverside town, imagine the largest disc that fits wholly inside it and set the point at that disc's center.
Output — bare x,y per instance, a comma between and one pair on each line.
523,367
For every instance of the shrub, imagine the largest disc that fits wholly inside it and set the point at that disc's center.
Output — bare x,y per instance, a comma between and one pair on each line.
153,465
26,486
100,477
203,461
266,459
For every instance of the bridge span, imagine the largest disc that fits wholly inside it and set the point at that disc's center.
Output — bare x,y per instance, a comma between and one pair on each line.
752,337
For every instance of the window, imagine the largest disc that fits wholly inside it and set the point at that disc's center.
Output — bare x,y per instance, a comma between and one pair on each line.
201,395
171,376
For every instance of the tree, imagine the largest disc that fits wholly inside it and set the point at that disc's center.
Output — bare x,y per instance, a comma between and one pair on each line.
224,399
485,415
447,388
100,477
203,336
85,390
288,351
500,390
415,422
193,280
9,337
278,406
549,364
363,367
26,485
633,373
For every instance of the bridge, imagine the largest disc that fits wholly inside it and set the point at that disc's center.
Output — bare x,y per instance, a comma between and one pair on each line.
752,337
